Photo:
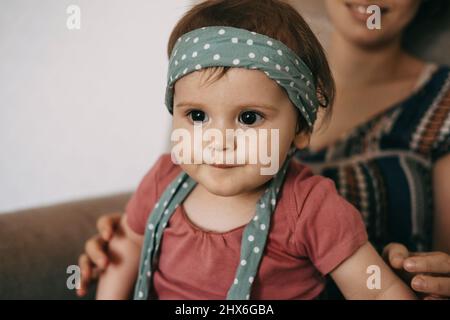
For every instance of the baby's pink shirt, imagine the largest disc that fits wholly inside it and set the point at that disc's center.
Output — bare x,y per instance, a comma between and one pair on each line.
312,231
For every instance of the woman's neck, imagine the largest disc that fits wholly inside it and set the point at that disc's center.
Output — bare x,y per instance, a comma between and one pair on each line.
354,65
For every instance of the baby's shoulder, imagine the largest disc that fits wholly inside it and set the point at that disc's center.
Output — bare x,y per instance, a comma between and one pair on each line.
151,187
166,166
307,190
165,170
161,173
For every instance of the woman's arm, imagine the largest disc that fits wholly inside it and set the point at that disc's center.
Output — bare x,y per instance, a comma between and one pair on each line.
364,275
441,191
429,272
117,281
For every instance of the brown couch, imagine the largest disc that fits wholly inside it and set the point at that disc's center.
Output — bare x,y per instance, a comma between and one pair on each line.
37,245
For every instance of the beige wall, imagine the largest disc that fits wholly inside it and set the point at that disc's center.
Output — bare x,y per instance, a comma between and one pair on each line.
81,112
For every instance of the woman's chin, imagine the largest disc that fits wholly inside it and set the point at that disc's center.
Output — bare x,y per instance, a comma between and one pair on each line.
369,39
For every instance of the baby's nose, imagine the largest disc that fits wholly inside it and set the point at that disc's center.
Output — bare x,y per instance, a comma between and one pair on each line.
224,141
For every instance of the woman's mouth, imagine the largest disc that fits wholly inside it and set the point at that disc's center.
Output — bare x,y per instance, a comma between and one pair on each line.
359,10
224,166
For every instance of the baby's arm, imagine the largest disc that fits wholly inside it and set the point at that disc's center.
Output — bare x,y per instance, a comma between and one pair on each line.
117,281
355,275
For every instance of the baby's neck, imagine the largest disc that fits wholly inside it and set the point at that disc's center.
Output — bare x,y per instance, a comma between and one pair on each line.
218,213
241,199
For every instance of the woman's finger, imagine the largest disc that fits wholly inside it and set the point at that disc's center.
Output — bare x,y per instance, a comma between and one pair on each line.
433,263
437,286
425,253
395,254
106,225
96,252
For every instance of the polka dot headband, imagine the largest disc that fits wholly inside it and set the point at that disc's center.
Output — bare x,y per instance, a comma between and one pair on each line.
221,46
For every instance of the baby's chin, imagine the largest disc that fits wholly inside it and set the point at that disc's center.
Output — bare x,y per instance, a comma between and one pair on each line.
227,182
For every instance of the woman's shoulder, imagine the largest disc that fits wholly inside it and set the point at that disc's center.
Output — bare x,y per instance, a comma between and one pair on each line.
429,119
437,82
430,90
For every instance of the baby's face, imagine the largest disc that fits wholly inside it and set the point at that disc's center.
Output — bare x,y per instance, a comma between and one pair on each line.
242,99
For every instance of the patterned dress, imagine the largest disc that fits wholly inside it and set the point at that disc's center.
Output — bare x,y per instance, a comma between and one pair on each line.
384,166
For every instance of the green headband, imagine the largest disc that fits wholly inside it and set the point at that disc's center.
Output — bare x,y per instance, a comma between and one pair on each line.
221,46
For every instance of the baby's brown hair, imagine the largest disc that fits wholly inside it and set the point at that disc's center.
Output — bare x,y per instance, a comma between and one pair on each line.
273,18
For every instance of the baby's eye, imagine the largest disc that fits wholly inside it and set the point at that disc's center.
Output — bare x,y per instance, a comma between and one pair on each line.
250,118
198,116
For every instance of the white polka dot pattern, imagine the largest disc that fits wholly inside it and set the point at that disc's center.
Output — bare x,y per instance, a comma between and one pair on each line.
234,47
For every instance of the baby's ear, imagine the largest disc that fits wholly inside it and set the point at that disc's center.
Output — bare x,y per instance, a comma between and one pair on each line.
301,140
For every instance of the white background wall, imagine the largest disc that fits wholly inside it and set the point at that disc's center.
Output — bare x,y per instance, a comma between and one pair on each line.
81,111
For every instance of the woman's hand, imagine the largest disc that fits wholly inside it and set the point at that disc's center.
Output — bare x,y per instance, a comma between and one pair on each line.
95,259
427,272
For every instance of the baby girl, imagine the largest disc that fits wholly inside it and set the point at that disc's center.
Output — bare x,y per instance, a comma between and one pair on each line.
216,230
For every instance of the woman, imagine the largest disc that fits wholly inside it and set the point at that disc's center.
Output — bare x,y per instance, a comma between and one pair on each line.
387,146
